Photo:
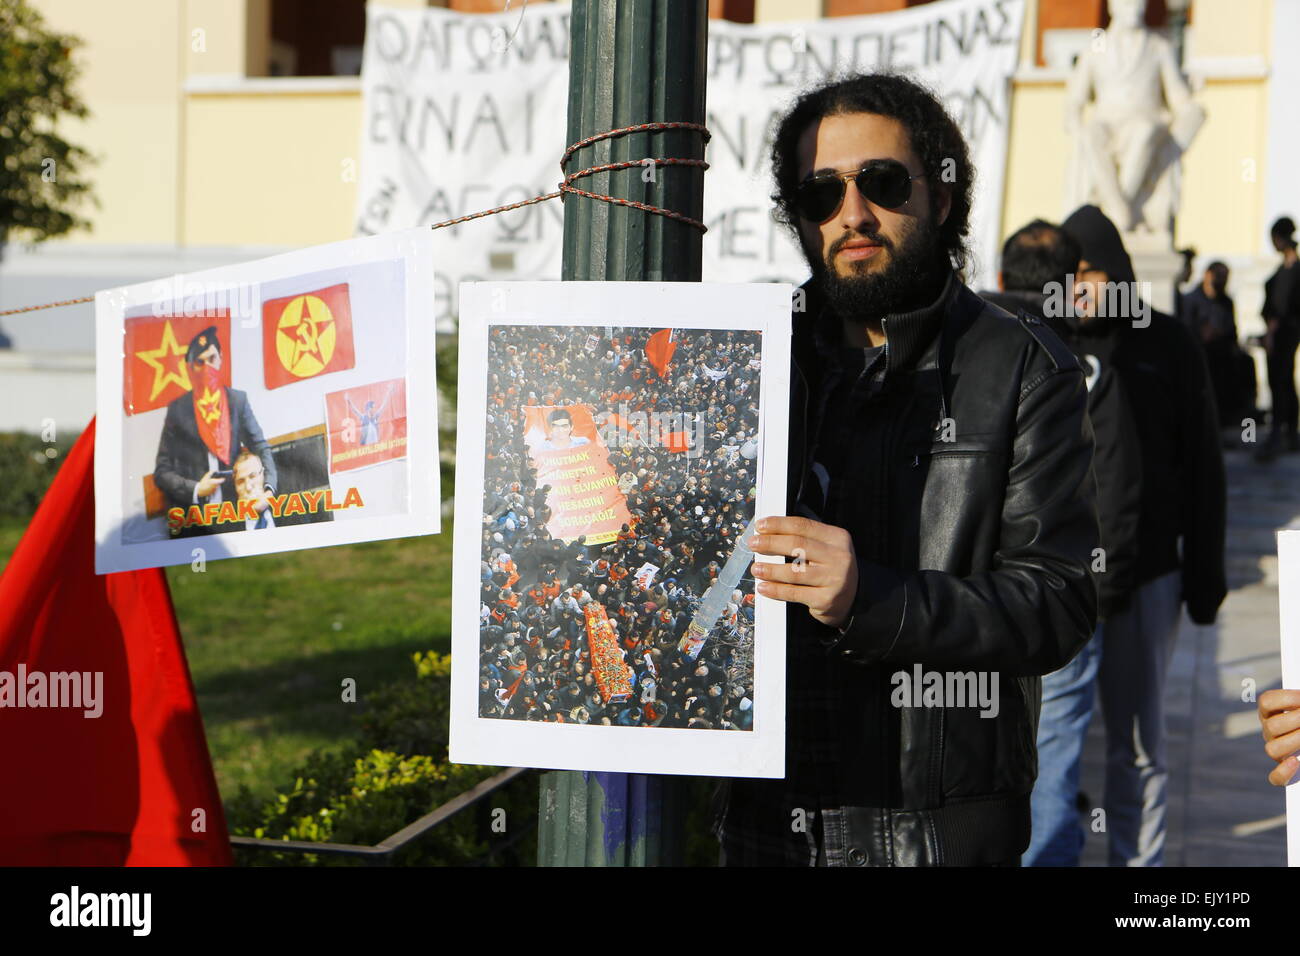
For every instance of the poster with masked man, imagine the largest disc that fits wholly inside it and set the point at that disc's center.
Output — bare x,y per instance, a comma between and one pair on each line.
275,405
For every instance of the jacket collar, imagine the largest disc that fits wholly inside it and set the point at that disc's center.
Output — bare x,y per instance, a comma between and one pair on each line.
907,334
1032,302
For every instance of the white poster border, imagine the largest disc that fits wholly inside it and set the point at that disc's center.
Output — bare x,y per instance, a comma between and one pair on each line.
759,752
416,250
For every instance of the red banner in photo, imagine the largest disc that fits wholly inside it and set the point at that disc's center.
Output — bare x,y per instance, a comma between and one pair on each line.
609,666
307,335
154,371
366,424
584,499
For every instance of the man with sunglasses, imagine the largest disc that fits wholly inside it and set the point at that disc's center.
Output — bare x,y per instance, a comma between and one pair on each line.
942,513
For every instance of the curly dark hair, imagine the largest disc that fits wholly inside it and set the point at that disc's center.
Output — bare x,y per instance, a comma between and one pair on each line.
934,136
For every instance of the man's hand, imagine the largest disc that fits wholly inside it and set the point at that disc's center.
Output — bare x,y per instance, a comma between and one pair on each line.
262,501
823,575
1279,715
207,485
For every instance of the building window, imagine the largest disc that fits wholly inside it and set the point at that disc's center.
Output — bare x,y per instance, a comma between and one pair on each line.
316,37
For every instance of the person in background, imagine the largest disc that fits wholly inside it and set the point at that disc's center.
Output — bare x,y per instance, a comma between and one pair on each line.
1037,262
1211,317
1282,317
1180,528
1184,277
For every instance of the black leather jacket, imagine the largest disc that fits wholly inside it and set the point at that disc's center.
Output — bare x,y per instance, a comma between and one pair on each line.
974,556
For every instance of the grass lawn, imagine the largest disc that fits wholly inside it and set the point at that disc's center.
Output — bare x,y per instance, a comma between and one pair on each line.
270,640
10,532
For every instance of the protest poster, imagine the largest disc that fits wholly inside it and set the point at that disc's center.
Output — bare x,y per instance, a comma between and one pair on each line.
366,425
600,521
270,406
466,111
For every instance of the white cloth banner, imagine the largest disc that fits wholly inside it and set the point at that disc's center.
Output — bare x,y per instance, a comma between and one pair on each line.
645,575
460,117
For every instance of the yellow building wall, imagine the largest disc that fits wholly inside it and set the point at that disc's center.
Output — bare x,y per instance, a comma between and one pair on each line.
216,35
1223,172
768,11
271,169
131,83
1037,153
1231,27
1222,208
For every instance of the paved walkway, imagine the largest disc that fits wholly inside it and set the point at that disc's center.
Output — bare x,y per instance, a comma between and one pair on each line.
1222,810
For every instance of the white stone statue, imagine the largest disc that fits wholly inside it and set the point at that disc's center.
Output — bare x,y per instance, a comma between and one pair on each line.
1142,120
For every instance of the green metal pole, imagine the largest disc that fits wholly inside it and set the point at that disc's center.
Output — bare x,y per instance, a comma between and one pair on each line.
631,62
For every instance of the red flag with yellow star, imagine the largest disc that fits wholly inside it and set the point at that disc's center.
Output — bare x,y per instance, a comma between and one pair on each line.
212,414
306,335
153,356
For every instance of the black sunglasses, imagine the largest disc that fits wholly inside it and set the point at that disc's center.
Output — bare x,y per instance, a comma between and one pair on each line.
885,182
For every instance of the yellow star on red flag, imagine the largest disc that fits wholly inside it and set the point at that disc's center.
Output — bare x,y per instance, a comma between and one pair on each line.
168,353
210,405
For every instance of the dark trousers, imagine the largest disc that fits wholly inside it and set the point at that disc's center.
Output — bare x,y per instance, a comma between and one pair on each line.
1281,383
1221,360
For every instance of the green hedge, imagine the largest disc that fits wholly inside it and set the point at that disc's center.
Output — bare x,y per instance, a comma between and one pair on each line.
394,774
26,470
397,771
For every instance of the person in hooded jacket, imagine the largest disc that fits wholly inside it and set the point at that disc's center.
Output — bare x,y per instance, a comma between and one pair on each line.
1038,262
1180,531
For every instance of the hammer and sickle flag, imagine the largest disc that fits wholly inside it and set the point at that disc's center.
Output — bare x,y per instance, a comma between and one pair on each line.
307,335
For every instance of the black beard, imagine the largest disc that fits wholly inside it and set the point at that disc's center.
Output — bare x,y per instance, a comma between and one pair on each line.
910,281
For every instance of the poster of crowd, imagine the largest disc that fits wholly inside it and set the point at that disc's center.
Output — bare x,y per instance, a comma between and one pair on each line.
616,440
465,111
275,405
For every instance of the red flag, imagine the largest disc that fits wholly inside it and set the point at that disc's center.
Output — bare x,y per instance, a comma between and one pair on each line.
307,335
659,350
584,499
676,442
366,424
134,785
153,357
622,424
212,414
